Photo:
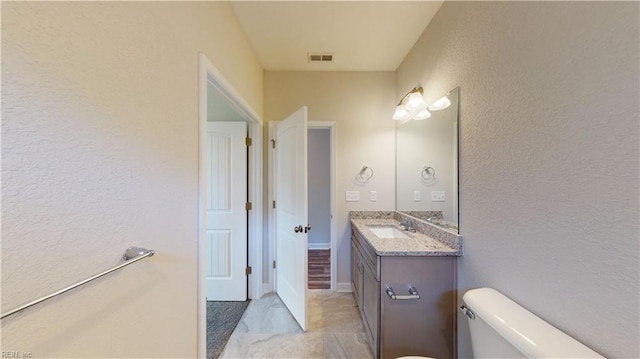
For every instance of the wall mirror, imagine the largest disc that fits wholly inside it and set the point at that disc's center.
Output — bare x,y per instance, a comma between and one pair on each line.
427,165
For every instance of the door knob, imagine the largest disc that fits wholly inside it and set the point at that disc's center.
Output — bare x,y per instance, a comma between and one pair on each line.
307,228
298,229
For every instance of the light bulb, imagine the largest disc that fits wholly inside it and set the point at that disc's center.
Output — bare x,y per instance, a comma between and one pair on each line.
415,101
401,113
440,104
422,115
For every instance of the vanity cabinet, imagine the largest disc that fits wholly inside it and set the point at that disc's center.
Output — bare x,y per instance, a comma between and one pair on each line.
403,327
356,273
366,288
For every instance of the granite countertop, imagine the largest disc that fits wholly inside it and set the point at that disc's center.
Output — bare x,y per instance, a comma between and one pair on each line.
418,245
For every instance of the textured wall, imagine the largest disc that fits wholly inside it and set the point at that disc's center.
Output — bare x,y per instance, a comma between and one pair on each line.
548,157
319,183
99,152
362,104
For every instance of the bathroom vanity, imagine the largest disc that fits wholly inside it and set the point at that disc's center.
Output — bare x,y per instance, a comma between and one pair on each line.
404,284
404,276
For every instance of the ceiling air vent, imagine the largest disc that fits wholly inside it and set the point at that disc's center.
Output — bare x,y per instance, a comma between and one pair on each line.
320,57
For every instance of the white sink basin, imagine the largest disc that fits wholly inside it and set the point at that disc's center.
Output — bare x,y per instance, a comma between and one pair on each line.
387,232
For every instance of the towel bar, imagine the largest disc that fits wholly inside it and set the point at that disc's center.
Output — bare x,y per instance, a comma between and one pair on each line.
131,255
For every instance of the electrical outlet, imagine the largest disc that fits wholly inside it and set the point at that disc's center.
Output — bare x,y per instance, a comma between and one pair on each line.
437,196
416,196
352,196
373,196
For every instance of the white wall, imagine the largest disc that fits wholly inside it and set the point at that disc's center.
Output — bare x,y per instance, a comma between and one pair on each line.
549,100
319,187
362,104
99,152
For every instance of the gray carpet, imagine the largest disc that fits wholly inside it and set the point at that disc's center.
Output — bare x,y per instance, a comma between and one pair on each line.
222,318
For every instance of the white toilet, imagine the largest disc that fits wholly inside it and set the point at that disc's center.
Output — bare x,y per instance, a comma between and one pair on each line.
500,328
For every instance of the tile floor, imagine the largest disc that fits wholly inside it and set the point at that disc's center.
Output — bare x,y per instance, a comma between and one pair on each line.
267,330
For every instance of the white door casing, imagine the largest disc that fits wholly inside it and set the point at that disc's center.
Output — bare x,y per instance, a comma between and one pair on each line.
209,74
226,212
291,212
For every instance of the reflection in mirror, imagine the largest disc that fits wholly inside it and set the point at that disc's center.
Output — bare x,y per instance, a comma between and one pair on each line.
427,166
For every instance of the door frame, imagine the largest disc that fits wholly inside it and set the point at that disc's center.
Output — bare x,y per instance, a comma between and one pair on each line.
207,72
332,126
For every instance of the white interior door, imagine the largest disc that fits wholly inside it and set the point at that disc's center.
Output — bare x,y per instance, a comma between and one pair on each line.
226,211
291,213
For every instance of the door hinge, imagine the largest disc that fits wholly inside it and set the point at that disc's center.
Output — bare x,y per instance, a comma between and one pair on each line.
248,270
274,204
248,206
274,264
273,143
248,141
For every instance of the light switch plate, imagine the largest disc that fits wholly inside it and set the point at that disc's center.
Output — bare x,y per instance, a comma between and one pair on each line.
373,196
438,196
416,196
352,196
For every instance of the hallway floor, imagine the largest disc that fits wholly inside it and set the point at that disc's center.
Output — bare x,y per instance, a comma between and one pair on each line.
267,330
319,268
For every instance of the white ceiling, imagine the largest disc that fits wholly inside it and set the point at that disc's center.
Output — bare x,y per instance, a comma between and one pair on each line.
363,35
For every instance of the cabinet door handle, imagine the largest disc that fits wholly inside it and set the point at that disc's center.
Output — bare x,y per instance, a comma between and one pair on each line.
413,294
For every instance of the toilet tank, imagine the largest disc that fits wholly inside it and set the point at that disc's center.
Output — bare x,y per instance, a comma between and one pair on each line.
500,328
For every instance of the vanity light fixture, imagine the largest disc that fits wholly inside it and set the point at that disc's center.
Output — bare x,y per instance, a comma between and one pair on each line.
412,105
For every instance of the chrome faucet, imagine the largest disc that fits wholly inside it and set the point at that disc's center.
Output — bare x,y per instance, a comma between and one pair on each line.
408,225
434,220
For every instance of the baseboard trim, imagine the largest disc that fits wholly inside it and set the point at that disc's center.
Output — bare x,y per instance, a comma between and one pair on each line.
319,246
344,287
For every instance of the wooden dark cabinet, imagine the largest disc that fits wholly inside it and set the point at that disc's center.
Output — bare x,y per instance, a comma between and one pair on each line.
395,328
